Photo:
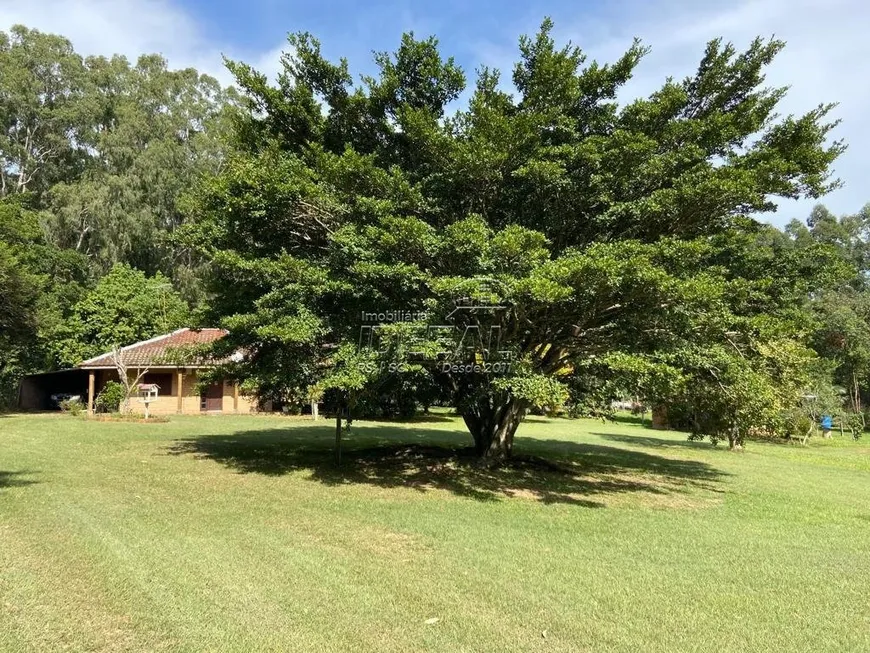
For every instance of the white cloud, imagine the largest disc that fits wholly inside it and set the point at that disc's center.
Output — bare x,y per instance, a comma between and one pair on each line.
822,62
131,28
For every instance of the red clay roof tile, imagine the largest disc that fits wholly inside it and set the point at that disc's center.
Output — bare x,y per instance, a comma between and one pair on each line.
157,351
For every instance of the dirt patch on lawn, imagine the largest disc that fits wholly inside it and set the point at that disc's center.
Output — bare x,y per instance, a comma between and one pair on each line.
365,540
134,419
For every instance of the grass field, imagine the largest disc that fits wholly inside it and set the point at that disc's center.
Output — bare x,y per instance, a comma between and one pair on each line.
239,534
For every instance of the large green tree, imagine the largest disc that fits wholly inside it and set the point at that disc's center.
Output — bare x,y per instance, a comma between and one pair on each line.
150,131
580,227
746,366
17,320
42,83
105,147
124,307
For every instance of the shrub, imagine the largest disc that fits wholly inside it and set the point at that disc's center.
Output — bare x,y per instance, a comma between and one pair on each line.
854,423
72,406
110,398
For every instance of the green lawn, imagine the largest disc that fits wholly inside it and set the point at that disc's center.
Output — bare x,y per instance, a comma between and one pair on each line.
238,534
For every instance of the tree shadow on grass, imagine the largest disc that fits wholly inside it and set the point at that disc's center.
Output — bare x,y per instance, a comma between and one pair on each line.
15,479
550,471
660,443
630,419
425,418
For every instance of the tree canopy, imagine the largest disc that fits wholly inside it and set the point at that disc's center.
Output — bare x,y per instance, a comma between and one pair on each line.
104,146
600,228
124,307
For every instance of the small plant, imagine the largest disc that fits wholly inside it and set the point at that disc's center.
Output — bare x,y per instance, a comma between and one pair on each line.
72,406
854,423
110,398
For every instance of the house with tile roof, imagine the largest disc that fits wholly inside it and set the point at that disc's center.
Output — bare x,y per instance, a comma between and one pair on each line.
170,362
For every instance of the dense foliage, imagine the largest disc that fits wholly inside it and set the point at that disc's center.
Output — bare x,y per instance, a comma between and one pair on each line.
110,398
125,306
40,285
604,233
104,146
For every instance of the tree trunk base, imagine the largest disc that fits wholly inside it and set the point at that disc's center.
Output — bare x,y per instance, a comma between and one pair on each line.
493,431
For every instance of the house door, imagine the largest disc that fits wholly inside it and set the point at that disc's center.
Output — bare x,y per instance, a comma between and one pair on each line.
212,399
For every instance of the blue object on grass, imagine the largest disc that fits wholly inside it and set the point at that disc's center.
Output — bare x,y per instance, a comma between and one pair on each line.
827,422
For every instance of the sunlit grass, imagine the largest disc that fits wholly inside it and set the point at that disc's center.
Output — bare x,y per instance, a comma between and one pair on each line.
239,534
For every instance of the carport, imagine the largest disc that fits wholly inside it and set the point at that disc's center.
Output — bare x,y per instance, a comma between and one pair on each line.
35,390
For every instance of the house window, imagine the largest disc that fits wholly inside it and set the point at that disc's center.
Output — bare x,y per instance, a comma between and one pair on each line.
163,380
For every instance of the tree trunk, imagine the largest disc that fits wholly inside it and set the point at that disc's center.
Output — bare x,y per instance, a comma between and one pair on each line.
338,437
735,439
660,417
492,424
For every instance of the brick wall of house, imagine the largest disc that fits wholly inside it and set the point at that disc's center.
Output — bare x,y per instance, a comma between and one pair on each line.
242,406
168,403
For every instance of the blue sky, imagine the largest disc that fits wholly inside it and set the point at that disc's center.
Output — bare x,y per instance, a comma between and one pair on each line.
822,62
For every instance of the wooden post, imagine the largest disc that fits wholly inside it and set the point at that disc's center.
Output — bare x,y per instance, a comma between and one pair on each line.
235,397
314,409
91,392
180,391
